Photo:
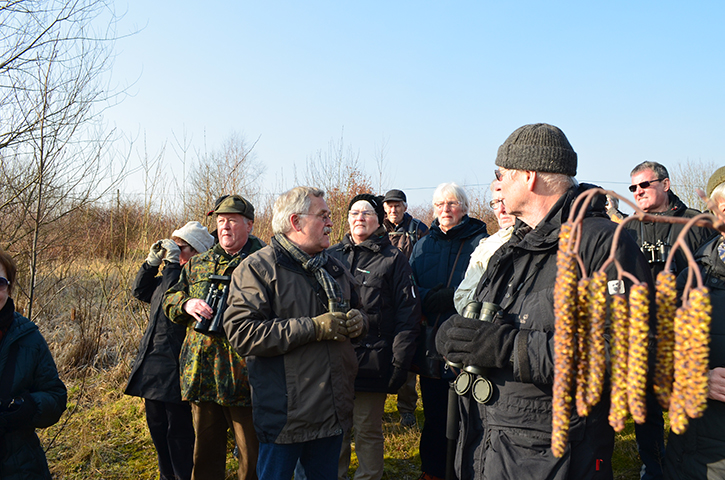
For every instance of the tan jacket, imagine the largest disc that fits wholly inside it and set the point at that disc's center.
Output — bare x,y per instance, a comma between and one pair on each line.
301,389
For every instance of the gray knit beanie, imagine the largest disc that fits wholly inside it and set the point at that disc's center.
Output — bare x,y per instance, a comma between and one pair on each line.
196,235
715,179
539,147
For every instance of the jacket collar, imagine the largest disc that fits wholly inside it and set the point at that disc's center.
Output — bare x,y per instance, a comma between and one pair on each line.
375,242
468,227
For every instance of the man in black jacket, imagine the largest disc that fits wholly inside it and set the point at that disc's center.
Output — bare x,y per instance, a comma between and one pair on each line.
509,436
652,191
404,232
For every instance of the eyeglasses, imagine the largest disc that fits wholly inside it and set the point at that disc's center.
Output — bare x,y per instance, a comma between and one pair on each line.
446,204
364,213
324,216
498,174
495,203
643,185
4,284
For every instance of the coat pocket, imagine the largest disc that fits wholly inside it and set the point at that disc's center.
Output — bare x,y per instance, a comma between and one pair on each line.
374,359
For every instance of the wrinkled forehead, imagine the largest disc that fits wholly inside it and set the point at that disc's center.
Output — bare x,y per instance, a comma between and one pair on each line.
361,205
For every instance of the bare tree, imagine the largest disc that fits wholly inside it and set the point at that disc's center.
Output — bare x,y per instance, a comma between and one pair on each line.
338,172
232,169
57,156
687,177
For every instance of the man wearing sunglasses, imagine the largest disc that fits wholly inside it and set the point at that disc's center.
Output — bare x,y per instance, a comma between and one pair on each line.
651,187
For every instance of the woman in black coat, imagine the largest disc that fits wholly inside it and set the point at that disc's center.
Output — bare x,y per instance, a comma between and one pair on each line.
390,299
155,372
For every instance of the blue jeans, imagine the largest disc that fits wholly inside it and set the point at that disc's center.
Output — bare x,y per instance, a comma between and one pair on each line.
651,440
317,457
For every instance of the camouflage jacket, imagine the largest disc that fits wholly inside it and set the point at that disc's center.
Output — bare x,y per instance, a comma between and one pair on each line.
211,371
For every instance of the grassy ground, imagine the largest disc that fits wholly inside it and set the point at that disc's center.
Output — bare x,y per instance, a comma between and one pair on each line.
103,436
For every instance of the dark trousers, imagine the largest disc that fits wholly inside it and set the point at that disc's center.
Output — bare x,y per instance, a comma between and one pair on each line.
434,394
318,458
172,432
651,440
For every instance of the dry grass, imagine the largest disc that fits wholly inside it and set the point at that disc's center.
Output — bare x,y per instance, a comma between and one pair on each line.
103,434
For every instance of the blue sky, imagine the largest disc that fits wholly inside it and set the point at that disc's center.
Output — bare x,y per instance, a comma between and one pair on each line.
441,83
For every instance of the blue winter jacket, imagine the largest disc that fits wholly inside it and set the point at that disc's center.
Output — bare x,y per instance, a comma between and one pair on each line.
434,261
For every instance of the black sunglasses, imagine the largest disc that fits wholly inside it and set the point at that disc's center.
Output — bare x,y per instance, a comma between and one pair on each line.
643,185
4,282
498,174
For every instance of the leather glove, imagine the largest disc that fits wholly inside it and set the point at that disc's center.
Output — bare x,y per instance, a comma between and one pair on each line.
156,254
397,379
330,326
355,323
473,342
20,416
172,250
439,300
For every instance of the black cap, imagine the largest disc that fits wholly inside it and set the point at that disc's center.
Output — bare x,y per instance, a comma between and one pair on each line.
395,196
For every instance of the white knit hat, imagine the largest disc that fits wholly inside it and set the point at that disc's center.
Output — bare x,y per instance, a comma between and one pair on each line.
196,235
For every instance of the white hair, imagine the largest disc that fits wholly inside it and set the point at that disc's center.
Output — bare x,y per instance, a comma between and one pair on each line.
445,189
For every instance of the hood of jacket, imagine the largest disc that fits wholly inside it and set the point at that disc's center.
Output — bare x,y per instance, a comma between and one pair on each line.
469,227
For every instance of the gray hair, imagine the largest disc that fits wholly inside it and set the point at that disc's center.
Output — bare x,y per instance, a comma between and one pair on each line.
296,200
557,182
445,189
718,193
658,168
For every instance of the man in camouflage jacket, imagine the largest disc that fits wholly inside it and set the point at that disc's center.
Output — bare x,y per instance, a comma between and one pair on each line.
213,376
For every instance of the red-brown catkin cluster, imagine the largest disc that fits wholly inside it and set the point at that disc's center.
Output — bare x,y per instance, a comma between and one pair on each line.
666,298
564,342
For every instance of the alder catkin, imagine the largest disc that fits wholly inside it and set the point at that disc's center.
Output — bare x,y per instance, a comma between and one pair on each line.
582,337
700,312
620,352
565,290
597,321
666,299
637,362
678,418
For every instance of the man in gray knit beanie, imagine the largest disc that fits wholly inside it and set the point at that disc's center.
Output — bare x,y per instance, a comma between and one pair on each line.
508,435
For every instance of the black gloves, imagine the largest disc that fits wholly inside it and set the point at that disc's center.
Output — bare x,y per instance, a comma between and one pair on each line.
439,299
19,414
473,342
397,379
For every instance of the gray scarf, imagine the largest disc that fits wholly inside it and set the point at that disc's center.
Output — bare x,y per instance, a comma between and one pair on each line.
313,265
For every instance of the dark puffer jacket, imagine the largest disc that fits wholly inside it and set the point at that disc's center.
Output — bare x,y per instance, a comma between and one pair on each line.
155,372
699,453
406,234
510,437
389,297
434,258
651,232
35,372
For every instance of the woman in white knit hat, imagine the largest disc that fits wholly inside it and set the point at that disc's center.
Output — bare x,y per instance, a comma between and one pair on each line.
155,373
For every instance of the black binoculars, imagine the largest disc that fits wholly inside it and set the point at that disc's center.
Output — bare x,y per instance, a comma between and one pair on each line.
481,387
656,253
216,298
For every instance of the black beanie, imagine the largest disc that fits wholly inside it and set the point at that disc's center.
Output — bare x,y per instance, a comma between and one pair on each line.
375,201
539,147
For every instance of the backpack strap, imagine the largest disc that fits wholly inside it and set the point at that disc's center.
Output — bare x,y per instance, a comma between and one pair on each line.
413,231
